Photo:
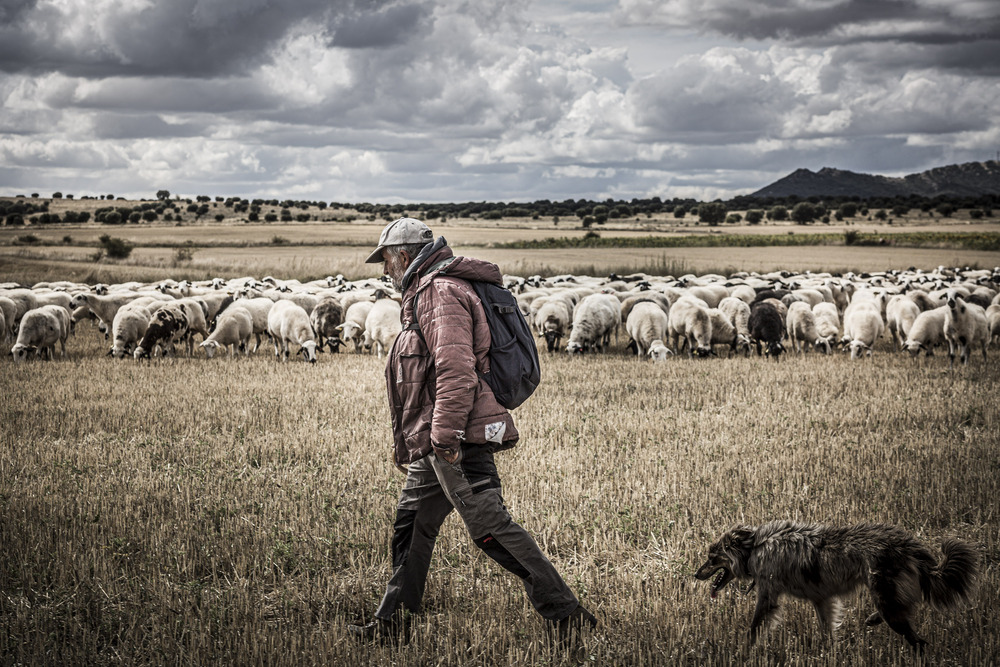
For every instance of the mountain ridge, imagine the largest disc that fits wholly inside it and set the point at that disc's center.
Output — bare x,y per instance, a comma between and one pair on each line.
962,180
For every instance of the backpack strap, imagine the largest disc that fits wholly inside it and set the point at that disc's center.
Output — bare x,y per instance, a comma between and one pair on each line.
442,265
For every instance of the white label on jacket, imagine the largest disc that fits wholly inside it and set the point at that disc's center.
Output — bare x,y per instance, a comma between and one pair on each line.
495,431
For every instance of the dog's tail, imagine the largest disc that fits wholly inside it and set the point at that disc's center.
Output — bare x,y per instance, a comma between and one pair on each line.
953,580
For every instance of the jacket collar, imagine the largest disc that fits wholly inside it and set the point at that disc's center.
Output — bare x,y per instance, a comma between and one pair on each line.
437,250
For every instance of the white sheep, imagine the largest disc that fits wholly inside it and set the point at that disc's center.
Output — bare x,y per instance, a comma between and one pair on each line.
993,319
900,314
658,351
259,308
646,324
737,309
128,328
103,306
9,310
690,323
594,320
927,332
39,331
552,321
233,329
288,324
725,333
382,325
827,319
801,327
24,300
965,327
353,328
862,326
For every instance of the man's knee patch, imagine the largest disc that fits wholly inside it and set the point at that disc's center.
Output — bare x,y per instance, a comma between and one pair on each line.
497,552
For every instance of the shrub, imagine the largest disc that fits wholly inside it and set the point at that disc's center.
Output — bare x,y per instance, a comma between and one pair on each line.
851,237
29,239
847,210
777,213
219,217
67,239
116,248
975,214
183,255
754,216
279,240
734,218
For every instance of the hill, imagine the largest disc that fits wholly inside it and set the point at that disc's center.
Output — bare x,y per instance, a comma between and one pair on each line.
961,180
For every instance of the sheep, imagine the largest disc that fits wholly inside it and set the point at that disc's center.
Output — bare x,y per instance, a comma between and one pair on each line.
965,325
656,297
24,300
801,327
382,325
744,293
552,321
993,319
287,324
233,330
326,317
725,333
353,327
167,324
39,331
646,324
690,324
710,294
862,326
738,312
259,308
197,312
927,332
594,319
128,328
900,313
827,319
766,328
104,307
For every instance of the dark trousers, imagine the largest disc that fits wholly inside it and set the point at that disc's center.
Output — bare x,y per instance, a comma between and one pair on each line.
433,488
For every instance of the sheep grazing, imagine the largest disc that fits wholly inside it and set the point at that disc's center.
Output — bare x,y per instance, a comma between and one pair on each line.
326,317
39,331
827,319
658,351
166,326
862,327
646,324
288,324
382,326
965,326
259,308
993,320
801,328
9,310
900,313
594,320
552,321
128,328
353,328
233,330
725,333
738,311
927,332
766,328
690,324
104,307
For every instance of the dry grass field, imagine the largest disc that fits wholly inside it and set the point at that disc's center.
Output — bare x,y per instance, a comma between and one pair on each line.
187,511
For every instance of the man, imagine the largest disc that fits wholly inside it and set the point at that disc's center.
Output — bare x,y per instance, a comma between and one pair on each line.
446,426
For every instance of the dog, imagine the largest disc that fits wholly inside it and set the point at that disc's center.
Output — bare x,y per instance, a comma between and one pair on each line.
822,563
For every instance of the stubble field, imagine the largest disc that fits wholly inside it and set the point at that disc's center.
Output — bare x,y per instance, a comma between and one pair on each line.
189,511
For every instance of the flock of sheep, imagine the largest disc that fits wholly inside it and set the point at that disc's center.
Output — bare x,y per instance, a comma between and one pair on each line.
663,316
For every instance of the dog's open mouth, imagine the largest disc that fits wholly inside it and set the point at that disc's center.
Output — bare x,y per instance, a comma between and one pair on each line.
722,577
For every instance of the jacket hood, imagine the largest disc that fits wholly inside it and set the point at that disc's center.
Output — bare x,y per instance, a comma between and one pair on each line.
467,268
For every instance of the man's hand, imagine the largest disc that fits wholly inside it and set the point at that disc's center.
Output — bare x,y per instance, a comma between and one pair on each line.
452,456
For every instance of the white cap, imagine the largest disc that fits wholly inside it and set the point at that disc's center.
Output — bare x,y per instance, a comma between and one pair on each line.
401,232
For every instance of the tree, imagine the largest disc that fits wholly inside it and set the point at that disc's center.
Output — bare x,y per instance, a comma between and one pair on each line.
777,213
712,213
754,216
163,194
803,213
848,210
115,248
57,195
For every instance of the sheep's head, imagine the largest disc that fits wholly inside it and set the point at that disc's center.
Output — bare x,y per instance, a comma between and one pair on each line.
658,351
308,350
822,343
573,347
210,347
22,352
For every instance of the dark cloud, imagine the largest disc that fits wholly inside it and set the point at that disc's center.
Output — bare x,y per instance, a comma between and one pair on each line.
390,26
191,38
146,126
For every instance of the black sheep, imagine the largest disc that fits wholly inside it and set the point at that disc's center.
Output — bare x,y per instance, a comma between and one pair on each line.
766,328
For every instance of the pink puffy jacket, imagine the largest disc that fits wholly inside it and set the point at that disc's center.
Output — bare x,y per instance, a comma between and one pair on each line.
436,397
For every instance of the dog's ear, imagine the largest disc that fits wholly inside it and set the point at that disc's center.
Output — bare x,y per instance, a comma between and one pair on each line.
741,537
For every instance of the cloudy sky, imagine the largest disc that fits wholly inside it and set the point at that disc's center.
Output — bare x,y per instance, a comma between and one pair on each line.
468,100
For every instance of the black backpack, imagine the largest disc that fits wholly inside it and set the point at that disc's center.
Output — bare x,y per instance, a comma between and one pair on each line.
514,369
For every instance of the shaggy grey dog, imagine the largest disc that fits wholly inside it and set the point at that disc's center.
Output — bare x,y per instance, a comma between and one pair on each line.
821,563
